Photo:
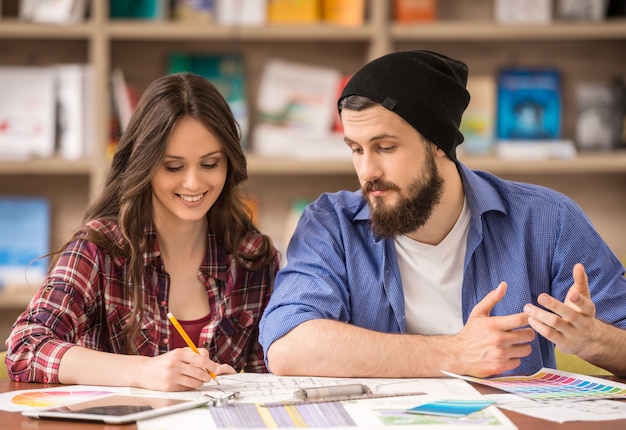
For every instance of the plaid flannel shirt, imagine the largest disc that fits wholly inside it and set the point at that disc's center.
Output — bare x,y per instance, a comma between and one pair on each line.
81,303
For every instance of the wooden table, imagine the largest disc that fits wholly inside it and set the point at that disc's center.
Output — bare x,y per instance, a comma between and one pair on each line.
15,420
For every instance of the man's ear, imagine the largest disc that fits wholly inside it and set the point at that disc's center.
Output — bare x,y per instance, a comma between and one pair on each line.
437,151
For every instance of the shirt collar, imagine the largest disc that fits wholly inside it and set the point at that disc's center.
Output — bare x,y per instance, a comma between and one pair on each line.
481,196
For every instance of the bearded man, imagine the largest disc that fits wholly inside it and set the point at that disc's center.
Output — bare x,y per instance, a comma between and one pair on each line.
432,266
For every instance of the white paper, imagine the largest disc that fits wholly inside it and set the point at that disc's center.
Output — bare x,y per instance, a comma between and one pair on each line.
258,389
561,412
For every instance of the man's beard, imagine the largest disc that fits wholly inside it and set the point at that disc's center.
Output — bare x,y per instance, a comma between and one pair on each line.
410,212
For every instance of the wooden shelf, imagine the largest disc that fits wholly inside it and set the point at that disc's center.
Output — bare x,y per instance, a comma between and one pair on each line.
171,30
605,163
493,32
286,166
48,166
15,29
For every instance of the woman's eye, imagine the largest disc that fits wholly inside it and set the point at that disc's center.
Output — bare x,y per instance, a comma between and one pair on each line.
209,166
172,168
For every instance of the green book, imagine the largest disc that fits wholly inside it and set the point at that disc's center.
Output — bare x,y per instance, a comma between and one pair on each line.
227,73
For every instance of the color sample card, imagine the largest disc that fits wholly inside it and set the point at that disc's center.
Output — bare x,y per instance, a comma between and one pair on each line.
452,408
550,384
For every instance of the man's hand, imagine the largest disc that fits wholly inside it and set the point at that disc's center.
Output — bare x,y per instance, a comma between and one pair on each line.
491,345
571,325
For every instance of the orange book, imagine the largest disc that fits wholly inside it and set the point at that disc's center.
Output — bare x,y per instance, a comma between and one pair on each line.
252,205
293,11
409,11
344,12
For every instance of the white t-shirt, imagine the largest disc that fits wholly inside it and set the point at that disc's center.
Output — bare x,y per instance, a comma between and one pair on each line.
432,278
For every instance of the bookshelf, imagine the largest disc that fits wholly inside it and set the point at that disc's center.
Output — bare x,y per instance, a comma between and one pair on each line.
464,30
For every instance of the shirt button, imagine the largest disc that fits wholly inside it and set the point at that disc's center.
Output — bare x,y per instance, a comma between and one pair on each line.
163,303
45,379
166,341
206,345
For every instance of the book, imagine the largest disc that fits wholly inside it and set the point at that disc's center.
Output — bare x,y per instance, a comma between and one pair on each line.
529,103
529,114
523,11
63,12
414,11
241,13
600,115
273,141
581,10
140,9
616,9
27,112
202,11
75,110
225,71
298,95
477,123
350,13
124,98
337,126
296,109
24,238
293,11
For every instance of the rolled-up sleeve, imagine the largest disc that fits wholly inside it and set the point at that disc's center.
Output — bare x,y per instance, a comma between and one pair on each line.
55,317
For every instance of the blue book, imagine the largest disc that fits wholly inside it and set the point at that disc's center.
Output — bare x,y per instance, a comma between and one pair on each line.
529,104
24,238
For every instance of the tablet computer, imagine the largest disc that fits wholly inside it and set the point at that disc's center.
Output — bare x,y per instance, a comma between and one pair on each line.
116,409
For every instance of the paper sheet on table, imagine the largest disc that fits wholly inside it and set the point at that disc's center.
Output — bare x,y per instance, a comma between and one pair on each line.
256,389
561,412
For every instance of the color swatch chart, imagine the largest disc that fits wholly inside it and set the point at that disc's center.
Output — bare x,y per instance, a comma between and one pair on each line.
250,416
44,399
550,384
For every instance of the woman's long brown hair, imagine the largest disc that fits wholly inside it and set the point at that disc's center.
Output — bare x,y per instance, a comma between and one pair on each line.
127,195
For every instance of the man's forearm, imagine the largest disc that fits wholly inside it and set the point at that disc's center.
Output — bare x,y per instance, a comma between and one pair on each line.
609,349
331,348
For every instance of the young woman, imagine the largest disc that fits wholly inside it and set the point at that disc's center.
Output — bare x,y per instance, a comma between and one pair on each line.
169,233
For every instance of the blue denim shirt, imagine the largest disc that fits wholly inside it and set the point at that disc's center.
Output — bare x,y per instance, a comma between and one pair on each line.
526,235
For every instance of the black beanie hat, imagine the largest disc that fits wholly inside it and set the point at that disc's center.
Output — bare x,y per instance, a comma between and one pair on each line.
425,88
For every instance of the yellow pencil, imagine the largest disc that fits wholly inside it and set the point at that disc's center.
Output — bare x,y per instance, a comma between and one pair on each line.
189,342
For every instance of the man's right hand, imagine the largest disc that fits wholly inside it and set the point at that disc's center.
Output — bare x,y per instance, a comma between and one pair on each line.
491,345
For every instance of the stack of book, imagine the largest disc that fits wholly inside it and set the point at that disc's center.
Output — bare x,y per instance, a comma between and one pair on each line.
47,111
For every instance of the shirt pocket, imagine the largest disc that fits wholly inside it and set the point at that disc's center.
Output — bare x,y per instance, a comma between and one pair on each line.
230,343
142,343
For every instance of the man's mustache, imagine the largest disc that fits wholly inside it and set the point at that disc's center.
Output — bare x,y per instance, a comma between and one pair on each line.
377,185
